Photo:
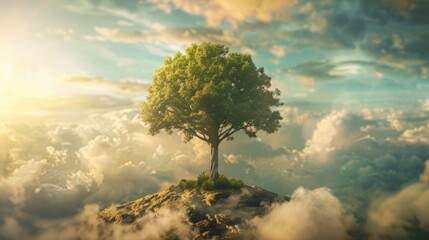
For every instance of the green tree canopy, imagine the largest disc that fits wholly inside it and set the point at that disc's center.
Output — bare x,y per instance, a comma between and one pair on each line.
210,94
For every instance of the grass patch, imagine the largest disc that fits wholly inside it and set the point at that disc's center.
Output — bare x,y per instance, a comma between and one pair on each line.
187,184
204,182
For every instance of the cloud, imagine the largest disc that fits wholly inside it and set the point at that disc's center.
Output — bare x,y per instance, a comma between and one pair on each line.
230,158
399,50
11,229
65,33
297,24
293,115
102,159
416,135
409,11
88,94
81,6
315,25
278,50
22,177
233,12
425,175
402,47
313,69
425,105
178,35
366,156
72,101
105,157
365,152
49,172
126,85
125,14
400,215
247,50
324,137
124,23
164,5
88,225
330,70
364,26
310,214
120,60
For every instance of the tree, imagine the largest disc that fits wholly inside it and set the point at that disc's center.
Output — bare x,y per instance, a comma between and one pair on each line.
210,94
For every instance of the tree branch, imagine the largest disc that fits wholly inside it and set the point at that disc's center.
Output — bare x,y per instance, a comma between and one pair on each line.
200,137
229,132
194,132
224,132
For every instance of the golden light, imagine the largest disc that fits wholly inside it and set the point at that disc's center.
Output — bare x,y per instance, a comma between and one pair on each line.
31,65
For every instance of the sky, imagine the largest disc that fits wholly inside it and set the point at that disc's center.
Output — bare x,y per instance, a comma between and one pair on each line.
354,77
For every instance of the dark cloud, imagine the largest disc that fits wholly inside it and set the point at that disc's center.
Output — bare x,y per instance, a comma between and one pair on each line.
408,11
313,69
402,215
348,69
393,33
403,50
387,169
398,34
351,21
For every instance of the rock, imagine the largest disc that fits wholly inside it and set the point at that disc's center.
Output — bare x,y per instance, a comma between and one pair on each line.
220,214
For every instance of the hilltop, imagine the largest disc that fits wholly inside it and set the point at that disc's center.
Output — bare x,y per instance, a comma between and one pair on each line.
218,213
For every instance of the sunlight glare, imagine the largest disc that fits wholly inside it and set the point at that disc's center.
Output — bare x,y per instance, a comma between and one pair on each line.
30,66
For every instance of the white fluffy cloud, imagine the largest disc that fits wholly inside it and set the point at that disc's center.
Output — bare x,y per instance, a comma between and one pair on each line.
53,170
104,158
87,225
107,158
394,216
26,175
324,138
311,214
416,135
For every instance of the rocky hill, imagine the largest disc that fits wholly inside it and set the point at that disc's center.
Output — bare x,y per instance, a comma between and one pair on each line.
215,214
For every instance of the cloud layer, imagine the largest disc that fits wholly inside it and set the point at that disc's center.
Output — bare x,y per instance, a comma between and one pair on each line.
50,172
399,215
313,214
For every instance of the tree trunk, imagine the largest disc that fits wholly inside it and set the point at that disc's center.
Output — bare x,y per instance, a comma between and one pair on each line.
214,161
211,158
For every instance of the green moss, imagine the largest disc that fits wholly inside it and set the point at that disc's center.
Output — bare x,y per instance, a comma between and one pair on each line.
202,178
187,184
204,182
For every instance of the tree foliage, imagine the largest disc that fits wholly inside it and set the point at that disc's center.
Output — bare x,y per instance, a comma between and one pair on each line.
211,94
